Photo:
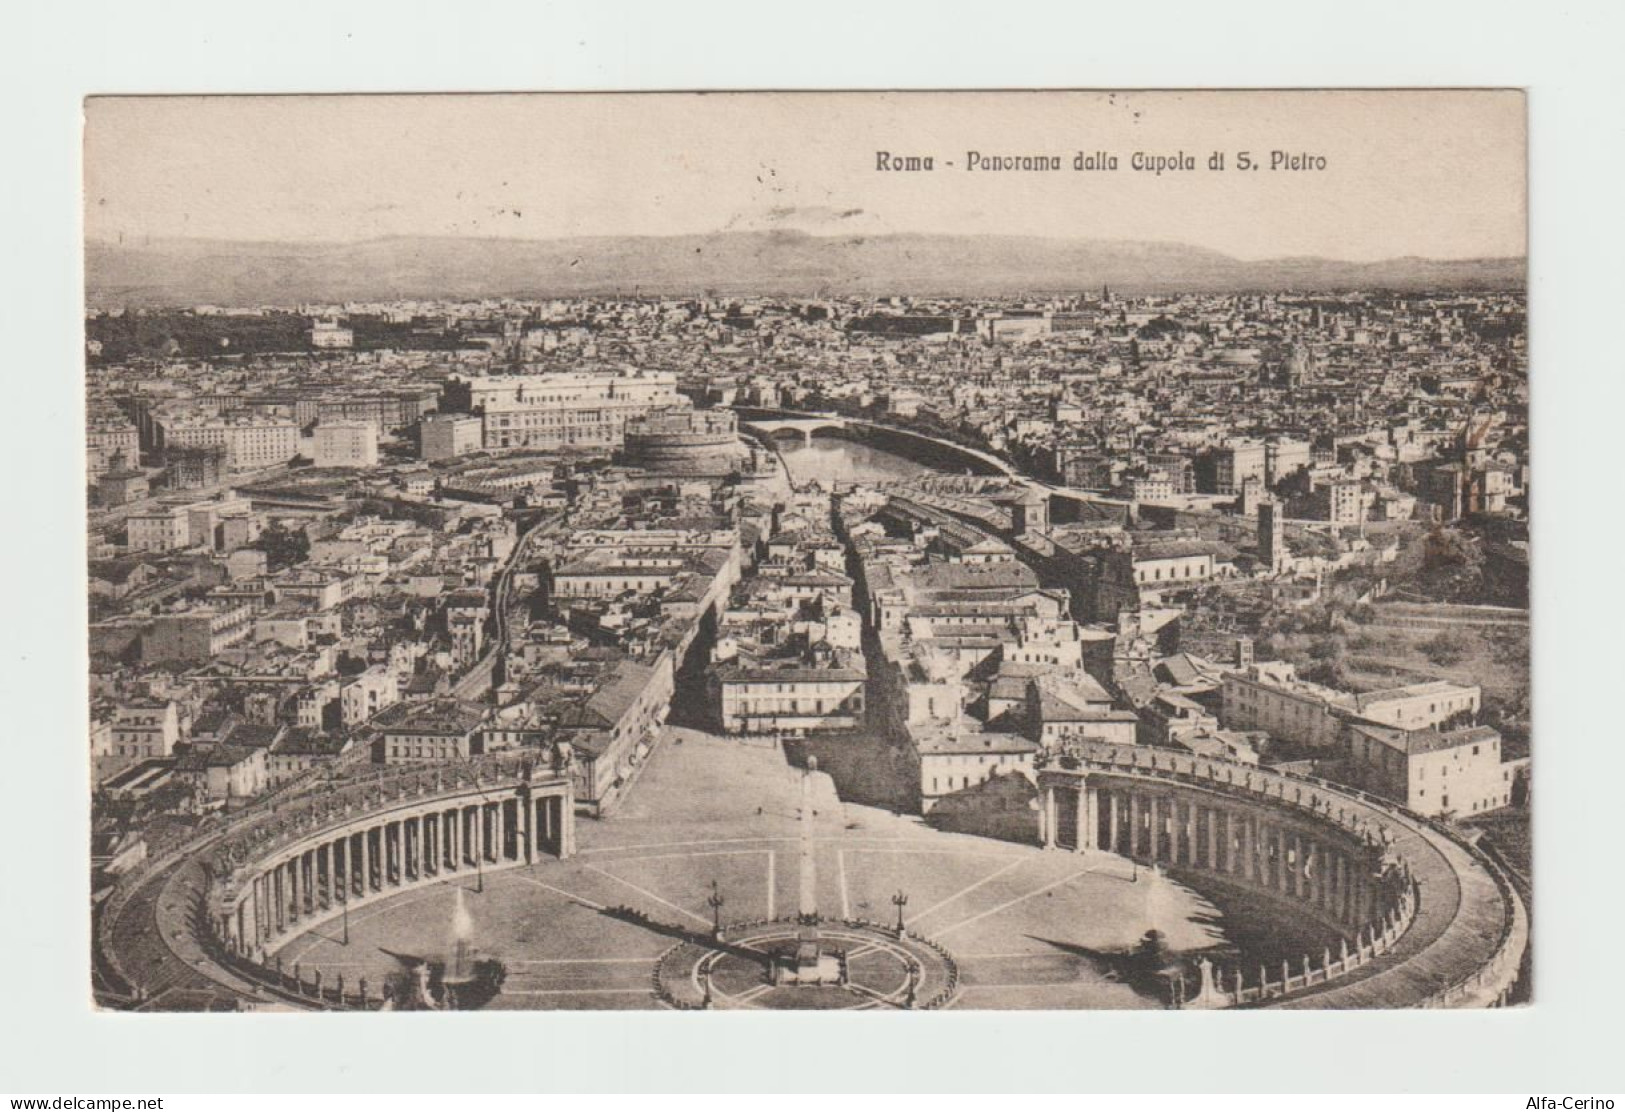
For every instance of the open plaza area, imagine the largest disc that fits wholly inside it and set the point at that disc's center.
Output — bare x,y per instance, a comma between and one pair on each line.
1026,927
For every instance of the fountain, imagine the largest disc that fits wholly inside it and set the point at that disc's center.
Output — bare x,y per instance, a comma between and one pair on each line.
462,981
1157,894
1154,964
460,958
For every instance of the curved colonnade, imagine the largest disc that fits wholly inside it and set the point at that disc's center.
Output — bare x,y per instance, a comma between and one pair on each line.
1414,915
224,904
1384,883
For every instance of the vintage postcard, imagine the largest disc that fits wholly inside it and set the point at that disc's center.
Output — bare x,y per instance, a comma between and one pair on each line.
1051,550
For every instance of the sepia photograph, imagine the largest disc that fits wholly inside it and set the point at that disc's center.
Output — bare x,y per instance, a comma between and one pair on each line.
808,551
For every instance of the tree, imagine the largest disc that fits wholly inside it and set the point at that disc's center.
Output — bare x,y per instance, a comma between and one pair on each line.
283,547
1449,647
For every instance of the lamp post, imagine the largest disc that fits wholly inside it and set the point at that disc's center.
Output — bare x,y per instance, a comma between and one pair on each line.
900,901
715,901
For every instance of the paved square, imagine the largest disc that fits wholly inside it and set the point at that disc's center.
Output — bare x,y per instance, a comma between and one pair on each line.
1028,928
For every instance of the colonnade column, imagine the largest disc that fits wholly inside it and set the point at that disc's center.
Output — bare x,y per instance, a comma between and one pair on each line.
285,893
527,804
1188,830
1342,888
341,869
1080,821
1047,822
1284,879
1317,880
1249,847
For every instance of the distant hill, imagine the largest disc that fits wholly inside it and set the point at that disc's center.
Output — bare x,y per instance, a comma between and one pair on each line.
191,272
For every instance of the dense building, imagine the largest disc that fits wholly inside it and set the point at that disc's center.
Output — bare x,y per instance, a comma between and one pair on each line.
1450,773
115,488
366,694
1128,577
952,761
424,732
1269,696
141,731
1339,502
222,773
298,751
160,530
790,697
329,334
1236,462
448,435
1272,549
196,634
191,468
110,444
610,732
250,443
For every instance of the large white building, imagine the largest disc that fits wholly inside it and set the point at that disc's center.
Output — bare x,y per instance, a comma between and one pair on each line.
1236,462
790,699
159,530
330,334
1433,772
250,442
444,435
575,409
1269,696
142,730
347,444
110,444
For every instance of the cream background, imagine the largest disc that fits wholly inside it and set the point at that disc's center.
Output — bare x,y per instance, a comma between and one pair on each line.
1437,173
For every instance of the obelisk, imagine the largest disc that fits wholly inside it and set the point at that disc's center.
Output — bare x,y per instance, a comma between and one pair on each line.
809,953
807,902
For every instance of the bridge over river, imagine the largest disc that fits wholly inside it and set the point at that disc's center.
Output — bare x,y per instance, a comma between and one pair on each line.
935,453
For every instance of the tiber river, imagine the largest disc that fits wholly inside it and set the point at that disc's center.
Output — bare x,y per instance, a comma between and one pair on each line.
833,460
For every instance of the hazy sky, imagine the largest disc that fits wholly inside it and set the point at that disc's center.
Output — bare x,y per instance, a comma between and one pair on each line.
1437,174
